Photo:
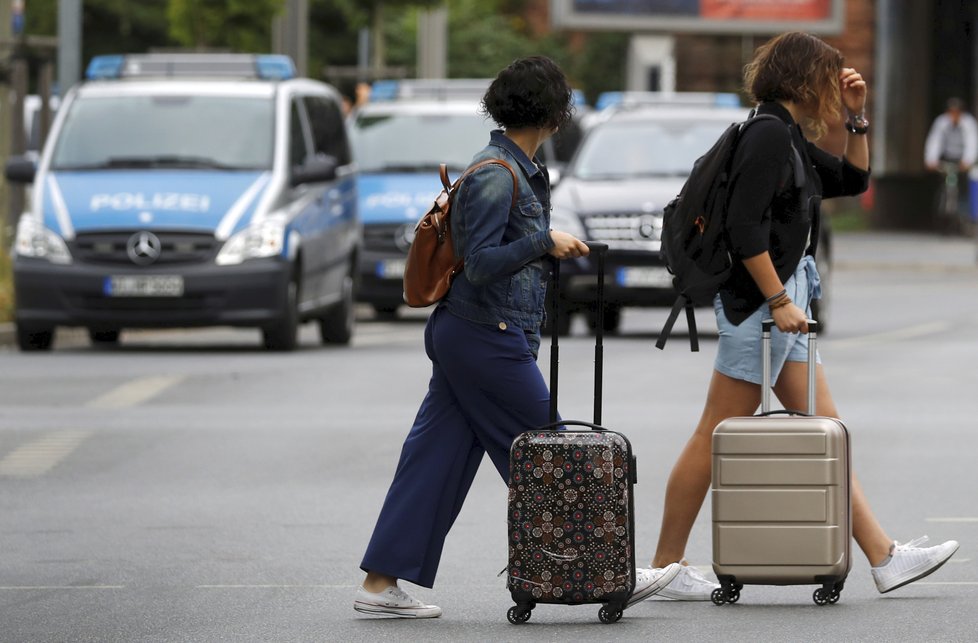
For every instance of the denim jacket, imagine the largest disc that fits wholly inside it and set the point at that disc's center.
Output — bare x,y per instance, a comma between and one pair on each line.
504,245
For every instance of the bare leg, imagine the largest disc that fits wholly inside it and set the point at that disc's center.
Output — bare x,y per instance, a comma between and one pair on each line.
376,583
690,477
791,388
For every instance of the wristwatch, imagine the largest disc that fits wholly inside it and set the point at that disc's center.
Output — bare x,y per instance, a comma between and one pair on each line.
857,123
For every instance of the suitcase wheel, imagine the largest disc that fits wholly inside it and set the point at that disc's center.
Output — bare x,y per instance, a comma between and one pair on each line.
608,614
723,595
823,596
518,614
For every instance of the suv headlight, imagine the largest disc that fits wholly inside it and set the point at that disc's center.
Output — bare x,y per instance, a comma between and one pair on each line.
35,240
565,220
263,239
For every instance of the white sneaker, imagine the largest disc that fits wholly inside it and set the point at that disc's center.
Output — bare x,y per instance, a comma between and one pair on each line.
393,601
649,582
689,585
910,562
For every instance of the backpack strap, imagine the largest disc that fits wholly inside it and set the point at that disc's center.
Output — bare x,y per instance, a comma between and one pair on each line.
479,165
682,302
450,189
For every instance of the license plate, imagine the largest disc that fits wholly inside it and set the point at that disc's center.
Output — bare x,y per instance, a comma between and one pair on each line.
143,286
391,269
644,277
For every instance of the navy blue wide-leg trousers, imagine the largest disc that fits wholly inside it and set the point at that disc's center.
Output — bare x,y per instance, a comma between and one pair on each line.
485,389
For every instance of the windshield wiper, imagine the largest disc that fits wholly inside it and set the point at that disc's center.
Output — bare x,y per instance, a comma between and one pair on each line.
163,160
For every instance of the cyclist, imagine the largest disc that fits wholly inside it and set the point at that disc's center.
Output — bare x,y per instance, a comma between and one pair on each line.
952,148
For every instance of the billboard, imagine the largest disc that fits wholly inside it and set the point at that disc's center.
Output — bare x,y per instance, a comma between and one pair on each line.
700,16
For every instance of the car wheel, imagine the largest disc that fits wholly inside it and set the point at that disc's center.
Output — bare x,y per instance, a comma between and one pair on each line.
103,336
336,327
34,339
612,318
284,335
564,319
385,312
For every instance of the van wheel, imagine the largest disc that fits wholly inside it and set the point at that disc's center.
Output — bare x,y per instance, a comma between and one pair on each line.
612,318
336,326
103,336
565,317
284,335
385,312
34,339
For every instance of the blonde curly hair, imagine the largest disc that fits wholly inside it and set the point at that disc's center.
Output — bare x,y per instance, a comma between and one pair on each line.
800,68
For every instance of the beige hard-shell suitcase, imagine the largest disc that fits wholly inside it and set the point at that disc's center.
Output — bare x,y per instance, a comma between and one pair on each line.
782,510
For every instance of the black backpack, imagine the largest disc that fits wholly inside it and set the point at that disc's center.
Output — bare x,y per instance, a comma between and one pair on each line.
694,240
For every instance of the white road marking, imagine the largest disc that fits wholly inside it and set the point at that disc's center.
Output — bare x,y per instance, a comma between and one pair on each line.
910,332
950,582
135,392
29,588
276,587
41,455
962,519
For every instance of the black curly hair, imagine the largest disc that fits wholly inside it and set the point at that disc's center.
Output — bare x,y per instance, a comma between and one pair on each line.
530,92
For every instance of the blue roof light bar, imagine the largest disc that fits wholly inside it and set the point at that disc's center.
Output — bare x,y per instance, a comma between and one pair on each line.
253,66
105,67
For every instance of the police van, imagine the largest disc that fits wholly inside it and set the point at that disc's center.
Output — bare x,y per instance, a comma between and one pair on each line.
181,190
400,137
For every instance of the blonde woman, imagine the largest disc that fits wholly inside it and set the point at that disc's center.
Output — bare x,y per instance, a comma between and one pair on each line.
778,179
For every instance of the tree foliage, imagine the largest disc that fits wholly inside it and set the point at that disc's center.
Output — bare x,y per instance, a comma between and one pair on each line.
236,25
484,35
108,26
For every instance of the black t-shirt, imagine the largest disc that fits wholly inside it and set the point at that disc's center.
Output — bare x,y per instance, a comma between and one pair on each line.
774,202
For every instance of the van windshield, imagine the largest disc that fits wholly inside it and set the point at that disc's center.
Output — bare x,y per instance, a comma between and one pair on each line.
207,132
418,142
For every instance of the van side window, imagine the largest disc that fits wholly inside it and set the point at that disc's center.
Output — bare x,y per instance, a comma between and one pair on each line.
298,150
328,128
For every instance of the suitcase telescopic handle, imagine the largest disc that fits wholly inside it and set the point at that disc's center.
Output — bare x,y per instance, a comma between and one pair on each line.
600,250
766,326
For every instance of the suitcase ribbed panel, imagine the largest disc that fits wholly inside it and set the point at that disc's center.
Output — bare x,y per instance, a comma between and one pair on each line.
781,500
765,545
571,517
771,505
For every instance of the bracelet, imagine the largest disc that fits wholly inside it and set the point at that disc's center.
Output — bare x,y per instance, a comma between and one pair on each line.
773,297
784,301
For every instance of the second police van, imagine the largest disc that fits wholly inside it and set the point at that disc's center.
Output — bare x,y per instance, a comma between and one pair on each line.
190,190
400,137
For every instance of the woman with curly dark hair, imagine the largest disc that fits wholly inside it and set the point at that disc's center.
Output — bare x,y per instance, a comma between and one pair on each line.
482,339
777,181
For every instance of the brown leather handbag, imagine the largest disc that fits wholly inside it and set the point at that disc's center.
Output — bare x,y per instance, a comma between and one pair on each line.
431,260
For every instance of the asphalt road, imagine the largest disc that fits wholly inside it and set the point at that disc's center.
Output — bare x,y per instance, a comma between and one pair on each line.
188,486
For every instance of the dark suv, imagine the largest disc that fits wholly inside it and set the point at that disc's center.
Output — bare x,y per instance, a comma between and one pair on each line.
633,160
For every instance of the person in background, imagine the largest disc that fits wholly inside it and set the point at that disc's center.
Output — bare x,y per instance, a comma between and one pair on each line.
953,137
951,148
772,223
482,340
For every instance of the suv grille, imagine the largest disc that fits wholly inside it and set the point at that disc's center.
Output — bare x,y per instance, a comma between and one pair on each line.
626,230
175,247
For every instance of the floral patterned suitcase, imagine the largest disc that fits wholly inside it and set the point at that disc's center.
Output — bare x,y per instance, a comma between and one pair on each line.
571,517
571,521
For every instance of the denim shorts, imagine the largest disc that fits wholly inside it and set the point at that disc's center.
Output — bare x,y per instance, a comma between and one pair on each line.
739,350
